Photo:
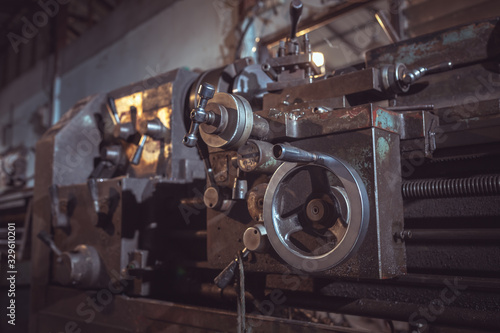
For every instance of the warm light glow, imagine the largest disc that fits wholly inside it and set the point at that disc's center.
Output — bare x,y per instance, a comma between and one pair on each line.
318,59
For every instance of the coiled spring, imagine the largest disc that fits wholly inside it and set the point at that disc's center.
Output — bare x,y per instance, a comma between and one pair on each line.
460,187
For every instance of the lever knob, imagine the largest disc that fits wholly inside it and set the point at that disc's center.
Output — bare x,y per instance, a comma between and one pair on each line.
198,115
206,91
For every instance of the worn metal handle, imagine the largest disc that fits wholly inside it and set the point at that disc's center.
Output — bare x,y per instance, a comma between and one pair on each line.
198,115
295,13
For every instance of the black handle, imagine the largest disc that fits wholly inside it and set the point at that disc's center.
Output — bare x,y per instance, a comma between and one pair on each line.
295,13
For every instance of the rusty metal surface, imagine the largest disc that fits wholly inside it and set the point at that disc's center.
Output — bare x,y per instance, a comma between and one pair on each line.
313,119
468,44
361,81
363,150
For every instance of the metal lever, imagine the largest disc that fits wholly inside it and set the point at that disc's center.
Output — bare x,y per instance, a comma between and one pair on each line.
227,275
59,217
198,115
112,109
94,194
138,153
295,13
47,239
386,25
122,131
413,75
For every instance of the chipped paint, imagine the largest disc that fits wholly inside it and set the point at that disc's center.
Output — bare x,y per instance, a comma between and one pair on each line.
382,148
459,36
413,52
430,49
385,120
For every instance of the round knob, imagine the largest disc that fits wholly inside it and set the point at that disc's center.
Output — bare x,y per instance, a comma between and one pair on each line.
124,131
255,238
79,267
112,154
211,197
214,199
153,128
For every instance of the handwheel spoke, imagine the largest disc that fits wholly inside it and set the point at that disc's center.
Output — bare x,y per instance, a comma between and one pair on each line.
290,225
319,181
338,230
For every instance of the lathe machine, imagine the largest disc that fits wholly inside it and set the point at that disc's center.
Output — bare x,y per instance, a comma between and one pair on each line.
228,199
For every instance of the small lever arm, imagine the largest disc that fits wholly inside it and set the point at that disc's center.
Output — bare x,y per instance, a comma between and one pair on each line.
136,159
226,276
410,76
47,239
198,115
295,12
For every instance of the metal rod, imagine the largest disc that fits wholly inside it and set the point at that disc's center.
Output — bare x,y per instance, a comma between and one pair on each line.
454,234
385,23
410,107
